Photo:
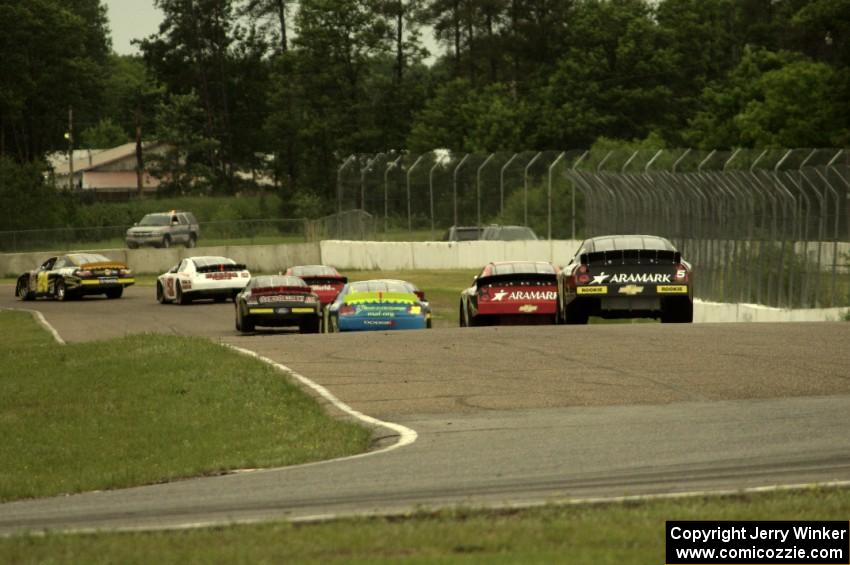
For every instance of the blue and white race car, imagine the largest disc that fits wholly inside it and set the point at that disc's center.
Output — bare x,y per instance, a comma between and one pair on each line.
377,305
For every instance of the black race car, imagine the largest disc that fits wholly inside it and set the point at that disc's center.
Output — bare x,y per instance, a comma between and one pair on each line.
626,276
278,301
75,275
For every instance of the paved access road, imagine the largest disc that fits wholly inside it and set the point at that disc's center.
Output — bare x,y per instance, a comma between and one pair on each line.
504,415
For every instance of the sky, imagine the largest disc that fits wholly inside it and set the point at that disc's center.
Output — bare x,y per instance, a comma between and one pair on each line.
137,19
131,19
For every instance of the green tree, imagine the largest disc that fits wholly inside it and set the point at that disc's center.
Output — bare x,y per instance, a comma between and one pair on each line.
53,55
103,135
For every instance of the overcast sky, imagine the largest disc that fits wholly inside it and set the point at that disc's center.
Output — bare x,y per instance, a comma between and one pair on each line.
136,19
131,19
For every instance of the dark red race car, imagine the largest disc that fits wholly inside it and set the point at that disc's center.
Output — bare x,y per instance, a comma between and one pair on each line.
511,293
325,281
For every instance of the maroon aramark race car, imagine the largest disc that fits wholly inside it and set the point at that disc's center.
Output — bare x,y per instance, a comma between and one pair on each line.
325,281
511,293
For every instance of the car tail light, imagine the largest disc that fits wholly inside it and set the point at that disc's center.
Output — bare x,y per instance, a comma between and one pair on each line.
81,273
682,274
583,279
125,272
245,274
414,309
347,310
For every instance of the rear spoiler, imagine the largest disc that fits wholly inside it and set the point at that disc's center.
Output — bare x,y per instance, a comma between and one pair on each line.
266,290
221,267
631,257
493,279
335,278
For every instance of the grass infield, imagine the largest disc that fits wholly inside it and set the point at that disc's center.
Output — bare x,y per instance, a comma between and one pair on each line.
145,409
594,534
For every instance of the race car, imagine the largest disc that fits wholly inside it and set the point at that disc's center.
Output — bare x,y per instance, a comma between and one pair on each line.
73,276
278,301
325,281
376,305
511,293
626,276
420,294
194,278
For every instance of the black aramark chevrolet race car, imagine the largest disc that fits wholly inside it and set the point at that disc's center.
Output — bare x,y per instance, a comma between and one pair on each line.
626,276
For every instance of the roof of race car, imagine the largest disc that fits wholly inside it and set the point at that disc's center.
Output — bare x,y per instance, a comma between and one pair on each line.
518,267
620,242
380,285
275,280
408,284
313,271
210,260
85,258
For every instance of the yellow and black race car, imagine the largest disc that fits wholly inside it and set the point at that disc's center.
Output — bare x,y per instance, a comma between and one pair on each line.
74,275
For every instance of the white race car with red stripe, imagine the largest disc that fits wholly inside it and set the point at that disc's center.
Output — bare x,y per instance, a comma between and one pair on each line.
218,278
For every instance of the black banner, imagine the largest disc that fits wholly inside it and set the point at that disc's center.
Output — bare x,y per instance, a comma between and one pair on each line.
768,542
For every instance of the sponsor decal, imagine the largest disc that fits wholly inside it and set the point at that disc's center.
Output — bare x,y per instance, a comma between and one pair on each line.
672,289
600,278
528,308
525,295
592,290
377,322
640,277
303,311
631,289
322,287
275,298
261,310
222,276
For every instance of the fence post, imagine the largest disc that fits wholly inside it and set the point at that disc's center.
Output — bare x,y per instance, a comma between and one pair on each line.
478,185
573,195
525,205
454,185
390,165
502,183
437,163
339,192
363,172
549,196
409,171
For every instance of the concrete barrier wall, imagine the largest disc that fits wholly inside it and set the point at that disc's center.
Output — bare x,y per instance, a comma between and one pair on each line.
396,256
260,258
712,312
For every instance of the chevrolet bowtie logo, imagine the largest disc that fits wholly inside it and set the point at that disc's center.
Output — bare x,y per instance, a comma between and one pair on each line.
528,308
631,289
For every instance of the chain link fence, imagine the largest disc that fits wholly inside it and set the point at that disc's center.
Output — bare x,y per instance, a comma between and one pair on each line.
765,226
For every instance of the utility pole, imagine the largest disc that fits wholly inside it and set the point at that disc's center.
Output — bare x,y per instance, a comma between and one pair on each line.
70,148
140,165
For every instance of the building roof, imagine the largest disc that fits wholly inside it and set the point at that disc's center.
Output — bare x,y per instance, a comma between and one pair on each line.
103,157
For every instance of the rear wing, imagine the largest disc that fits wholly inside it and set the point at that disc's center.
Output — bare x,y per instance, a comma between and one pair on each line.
324,279
221,267
517,277
631,257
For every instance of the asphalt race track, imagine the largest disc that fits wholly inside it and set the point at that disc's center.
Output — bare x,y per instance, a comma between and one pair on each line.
510,415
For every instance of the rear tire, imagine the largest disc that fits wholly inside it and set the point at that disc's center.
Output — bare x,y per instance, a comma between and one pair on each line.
132,245
166,242
219,299
182,298
160,294
245,323
576,313
678,312
114,293
22,290
192,242
309,326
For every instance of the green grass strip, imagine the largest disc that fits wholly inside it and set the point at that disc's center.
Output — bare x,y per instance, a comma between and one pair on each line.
145,409
594,534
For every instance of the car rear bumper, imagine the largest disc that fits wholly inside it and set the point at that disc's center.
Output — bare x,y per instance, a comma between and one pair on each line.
374,323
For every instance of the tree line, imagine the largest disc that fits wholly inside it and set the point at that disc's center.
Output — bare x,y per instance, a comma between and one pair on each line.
290,88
